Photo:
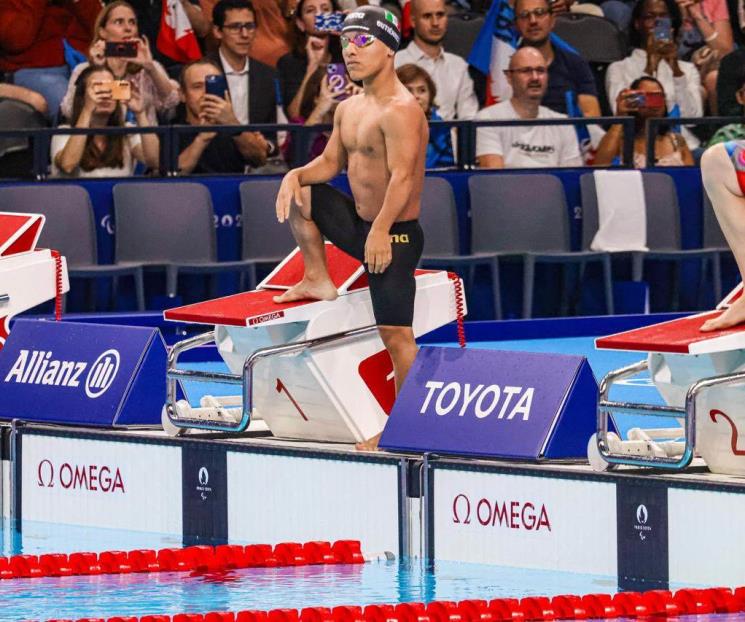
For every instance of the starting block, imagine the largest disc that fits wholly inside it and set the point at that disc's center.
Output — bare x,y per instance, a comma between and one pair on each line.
701,377
28,276
312,370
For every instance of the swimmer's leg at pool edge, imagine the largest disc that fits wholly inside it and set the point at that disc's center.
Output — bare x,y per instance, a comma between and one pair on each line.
401,346
316,283
721,184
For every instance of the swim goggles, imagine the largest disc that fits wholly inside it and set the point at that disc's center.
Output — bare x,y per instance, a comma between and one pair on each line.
361,40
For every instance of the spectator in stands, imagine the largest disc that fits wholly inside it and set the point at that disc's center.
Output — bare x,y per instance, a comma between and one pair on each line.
422,87
670,147
449,72
705,38
31,43
19,108
733,131
729,79
526,146
310,50
569,75
116,23
657,58
250,82
316,108
100,155
213,152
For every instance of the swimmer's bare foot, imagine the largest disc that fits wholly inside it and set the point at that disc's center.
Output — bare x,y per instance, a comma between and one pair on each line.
731,317
371,444
309,290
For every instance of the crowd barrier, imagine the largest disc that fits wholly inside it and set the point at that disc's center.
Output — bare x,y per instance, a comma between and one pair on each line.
464,137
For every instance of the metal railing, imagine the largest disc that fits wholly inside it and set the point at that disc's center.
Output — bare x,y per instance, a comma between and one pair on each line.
302,137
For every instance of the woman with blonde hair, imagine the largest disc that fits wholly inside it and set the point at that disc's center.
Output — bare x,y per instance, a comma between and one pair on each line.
117,23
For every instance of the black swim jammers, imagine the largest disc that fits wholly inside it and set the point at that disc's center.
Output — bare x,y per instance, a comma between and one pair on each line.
393,291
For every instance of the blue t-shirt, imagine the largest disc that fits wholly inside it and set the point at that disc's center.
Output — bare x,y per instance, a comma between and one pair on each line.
440,146
567,72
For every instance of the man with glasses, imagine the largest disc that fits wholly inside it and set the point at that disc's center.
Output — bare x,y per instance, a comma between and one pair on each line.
250,83
449,72
525,146
380,136
569,75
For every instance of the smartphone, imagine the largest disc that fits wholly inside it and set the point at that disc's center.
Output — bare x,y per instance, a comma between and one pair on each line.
121,90
216,85
329,22
642,99
121,49
663,30
338,80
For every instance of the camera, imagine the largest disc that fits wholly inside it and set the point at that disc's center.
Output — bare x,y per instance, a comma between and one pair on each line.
121,49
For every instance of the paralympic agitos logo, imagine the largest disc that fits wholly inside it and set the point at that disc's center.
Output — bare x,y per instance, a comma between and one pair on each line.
88,477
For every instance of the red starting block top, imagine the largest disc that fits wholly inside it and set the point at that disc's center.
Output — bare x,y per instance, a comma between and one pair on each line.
682,336
19,232
244,309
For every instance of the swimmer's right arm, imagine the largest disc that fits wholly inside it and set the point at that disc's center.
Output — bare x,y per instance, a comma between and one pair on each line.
318,171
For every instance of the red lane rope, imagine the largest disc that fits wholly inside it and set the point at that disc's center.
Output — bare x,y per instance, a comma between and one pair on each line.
459,307
58,285
657,603
189,559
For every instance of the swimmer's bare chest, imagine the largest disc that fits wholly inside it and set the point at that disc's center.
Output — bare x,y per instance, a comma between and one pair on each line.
367,165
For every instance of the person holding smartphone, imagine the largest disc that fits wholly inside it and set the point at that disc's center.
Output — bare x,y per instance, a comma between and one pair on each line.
324,91
655,25
705,38
130,58
206,101
644,99
101,101
311,49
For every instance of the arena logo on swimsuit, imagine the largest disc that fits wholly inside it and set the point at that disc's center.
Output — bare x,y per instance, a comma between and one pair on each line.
480,400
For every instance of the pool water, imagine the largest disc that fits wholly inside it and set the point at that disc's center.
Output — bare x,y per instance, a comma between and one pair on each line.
272,588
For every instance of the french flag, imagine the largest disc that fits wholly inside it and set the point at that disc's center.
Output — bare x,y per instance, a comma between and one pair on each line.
176,39
494,46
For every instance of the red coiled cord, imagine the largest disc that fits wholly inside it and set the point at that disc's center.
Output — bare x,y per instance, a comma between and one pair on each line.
58,285
459,307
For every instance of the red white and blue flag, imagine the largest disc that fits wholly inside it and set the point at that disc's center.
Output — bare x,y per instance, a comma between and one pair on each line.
494,46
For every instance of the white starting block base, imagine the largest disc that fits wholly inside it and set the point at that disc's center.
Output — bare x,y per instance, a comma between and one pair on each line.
340,390
28,276
680,356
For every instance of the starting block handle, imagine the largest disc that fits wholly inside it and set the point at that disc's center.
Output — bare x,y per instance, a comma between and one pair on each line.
605,406
4,299
245,379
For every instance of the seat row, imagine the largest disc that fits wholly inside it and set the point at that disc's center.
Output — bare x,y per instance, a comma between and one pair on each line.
169,226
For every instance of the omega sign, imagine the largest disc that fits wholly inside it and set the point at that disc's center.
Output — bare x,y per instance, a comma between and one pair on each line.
508,514
88,477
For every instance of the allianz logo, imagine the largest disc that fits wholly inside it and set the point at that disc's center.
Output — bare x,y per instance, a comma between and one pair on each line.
39,367
478,399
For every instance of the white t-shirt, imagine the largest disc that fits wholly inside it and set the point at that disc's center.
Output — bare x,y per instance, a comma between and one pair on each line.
130,142
527,147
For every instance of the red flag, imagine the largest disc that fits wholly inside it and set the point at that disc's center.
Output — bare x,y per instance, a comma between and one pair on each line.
176,39
406,25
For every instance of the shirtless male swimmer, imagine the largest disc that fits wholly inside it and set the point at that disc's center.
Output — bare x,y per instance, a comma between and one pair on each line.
380,136
723,172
